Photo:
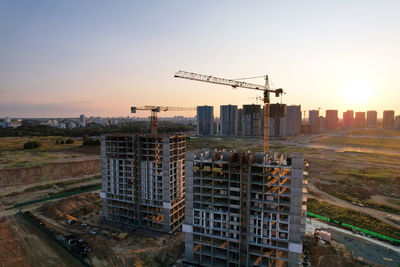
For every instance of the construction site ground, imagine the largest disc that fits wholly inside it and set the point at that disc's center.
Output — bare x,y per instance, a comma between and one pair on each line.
140,247
364,251
327,254
9,196
362,172
22,244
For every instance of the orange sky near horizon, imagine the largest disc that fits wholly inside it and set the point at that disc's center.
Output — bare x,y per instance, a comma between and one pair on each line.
62,59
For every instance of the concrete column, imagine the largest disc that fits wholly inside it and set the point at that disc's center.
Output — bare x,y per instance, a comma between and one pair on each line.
165,184
188,223
296,193
104,186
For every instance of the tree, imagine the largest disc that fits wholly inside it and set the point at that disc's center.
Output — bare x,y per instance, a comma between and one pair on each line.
91,142
69,141
31,145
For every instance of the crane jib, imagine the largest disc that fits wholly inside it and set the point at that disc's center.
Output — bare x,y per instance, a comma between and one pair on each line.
235,84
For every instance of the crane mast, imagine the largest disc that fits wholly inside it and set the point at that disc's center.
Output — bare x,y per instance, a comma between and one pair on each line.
239,84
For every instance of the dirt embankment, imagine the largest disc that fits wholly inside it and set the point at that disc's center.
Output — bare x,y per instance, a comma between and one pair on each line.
10,177
76,206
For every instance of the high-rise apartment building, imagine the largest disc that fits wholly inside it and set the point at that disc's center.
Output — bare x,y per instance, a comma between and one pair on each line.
205,120
244,209
388,119
348,119
293,120
277,119
359,121
239,119
228,120
331,120
313,119
397,122
252,120
143,180
372,119
322,123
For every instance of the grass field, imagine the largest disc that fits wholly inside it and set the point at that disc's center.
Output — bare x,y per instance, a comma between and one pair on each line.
194,143
374,132
13,154
48,143
379,174
352,217
361,142
378,158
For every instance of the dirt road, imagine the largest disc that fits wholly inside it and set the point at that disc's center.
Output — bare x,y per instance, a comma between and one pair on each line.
21,244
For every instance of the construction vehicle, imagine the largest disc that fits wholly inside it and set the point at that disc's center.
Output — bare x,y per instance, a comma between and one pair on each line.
154,110
240,84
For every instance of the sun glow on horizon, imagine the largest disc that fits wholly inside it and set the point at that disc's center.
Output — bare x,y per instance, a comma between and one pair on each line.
358,93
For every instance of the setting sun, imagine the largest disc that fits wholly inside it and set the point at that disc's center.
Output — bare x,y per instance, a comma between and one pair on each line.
358,92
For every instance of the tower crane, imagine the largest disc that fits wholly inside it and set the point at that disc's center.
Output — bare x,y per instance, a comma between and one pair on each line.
236,84
154,110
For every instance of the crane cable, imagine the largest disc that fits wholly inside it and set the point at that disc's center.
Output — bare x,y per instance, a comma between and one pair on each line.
248,78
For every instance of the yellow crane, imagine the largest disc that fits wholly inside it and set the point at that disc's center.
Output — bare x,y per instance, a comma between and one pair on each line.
154,110
239,84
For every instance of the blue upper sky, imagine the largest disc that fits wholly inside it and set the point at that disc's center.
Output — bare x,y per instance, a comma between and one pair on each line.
64,58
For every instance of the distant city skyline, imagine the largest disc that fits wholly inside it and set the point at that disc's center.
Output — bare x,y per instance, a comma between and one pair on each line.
192,114
65,58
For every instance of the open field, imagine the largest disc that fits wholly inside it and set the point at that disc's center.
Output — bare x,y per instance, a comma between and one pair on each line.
360,142
13,155
372,132
20,166
48,143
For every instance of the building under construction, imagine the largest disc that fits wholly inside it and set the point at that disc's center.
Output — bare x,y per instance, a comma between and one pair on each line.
244,209
277,120
252,120
143,180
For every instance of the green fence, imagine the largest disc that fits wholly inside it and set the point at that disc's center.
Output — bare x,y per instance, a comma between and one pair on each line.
318,216
79,191
383,237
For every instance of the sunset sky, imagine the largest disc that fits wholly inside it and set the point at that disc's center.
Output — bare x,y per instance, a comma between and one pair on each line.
64,58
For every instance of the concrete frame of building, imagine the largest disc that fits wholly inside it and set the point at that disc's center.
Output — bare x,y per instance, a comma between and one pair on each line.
244,209
143,180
